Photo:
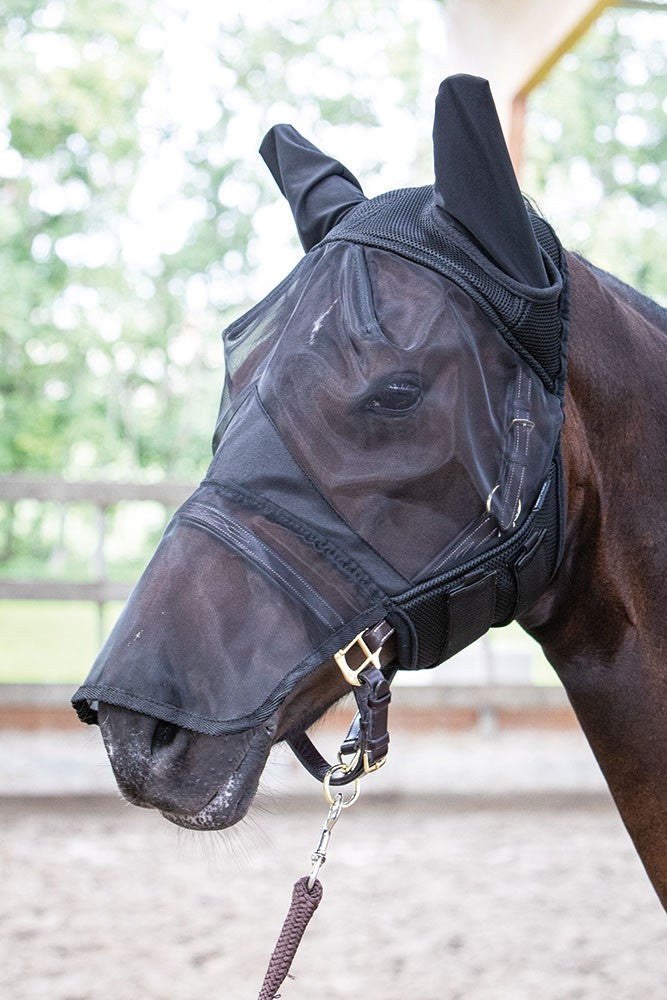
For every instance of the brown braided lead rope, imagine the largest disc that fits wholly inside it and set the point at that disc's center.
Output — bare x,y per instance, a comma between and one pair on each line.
304,903
307,892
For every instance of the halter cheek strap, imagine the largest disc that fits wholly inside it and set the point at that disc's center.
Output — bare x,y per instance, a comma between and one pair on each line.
365,747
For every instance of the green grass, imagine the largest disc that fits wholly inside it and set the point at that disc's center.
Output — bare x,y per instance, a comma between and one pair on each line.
45,642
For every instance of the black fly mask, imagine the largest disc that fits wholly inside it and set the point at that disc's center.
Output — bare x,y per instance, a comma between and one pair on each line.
387,444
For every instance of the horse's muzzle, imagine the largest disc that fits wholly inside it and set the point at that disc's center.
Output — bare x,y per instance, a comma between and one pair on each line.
196,781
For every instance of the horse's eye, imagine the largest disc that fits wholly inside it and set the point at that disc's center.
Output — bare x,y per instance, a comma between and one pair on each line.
400,395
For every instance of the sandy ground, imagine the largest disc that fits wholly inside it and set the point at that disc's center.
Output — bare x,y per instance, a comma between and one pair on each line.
428,898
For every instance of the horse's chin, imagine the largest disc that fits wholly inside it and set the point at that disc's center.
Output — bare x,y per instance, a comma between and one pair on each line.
228,805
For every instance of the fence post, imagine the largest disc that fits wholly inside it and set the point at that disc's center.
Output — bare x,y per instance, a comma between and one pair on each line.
100,565
487,720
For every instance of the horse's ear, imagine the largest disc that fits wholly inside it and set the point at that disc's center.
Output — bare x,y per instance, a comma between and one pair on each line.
319,189
475,183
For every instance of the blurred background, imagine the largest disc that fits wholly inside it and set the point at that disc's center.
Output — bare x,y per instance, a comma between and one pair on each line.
137,221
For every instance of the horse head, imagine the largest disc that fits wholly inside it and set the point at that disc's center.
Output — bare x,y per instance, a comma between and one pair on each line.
387,447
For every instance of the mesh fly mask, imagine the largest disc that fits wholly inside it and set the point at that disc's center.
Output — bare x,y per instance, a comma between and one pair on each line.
387,444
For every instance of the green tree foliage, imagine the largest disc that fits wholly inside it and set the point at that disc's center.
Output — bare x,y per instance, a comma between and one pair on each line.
72,79
596,147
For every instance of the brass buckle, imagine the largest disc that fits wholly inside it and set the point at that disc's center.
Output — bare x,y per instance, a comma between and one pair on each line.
369,768
354,760
351,674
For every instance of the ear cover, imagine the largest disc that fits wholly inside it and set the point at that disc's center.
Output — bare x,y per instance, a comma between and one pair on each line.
475,183
319,189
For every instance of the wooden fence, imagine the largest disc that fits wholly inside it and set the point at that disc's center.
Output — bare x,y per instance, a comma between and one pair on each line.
101,496
482,664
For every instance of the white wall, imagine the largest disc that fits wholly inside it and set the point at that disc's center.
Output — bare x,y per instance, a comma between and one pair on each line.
512,42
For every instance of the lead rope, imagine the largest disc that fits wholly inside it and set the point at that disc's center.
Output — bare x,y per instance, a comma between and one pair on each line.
304,903
306,896
366,747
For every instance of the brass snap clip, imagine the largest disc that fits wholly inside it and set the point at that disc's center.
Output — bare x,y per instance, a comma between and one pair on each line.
356,788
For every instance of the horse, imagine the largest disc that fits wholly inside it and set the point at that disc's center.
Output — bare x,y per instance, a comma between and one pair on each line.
443,421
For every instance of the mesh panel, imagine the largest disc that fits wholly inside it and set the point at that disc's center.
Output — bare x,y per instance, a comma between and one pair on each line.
232,610
460,461
428,614
407,222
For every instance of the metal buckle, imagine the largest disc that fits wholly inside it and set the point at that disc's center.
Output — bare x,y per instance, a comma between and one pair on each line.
369,768
351,765
351,674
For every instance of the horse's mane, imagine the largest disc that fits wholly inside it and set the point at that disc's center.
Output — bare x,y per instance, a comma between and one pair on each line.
654,313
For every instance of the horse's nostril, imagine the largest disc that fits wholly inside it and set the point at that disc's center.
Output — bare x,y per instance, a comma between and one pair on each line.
163,734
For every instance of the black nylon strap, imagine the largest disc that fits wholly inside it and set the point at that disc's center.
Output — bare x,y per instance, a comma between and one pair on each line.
470,610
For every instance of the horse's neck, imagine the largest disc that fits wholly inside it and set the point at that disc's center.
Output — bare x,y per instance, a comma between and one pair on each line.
615,462
602,621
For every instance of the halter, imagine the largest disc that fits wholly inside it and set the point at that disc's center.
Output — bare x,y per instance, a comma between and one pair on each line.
366,744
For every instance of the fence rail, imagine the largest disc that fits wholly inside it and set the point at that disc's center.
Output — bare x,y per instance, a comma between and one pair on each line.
102,496
99,494
479,665
97,591
488,708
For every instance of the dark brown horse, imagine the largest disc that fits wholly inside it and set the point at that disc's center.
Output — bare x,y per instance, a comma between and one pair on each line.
198,681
